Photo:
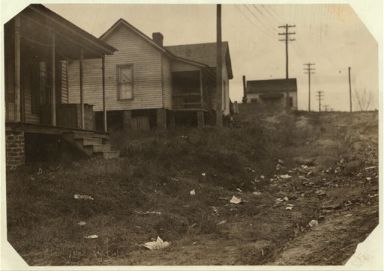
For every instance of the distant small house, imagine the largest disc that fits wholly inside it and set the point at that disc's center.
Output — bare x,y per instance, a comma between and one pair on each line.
149,85
274,93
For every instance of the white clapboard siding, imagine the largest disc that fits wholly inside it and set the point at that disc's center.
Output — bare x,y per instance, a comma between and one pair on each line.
167,83
132,49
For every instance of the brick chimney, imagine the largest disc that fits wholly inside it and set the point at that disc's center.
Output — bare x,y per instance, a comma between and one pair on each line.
157,37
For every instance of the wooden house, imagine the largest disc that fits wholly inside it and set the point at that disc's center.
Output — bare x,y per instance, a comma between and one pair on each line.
147,85
275,94
38,46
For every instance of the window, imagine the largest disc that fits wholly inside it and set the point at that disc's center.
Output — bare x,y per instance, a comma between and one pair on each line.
125,82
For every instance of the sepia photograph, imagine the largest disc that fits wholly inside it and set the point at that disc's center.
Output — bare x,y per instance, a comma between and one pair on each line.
191,134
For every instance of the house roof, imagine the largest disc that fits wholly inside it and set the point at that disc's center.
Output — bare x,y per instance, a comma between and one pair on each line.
271,86
68,29
122,22
204,53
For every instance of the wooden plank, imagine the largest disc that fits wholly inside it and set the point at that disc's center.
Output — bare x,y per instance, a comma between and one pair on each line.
18,97
53,91
81,89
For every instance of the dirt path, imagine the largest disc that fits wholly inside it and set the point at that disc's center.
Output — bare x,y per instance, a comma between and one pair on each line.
332,242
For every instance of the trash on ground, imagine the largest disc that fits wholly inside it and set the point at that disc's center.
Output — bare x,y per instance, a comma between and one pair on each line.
285,198
313,223
215,210
320,192
93,236
158,244
372,196
84,197
372,167
285,176
289,207
281,162
82,223
278,200
262,177
368,178
348,215
192,192
222,222
148,213
235,200
256,193
40,171
238,189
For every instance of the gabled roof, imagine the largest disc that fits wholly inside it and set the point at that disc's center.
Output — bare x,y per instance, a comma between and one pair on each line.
271,86
46,16
124,23
204,53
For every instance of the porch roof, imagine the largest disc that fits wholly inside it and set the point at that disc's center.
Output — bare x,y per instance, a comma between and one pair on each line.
73,36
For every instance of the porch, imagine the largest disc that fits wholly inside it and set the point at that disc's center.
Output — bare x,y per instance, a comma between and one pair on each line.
38,45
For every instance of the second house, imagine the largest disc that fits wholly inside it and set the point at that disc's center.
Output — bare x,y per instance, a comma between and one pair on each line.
152,86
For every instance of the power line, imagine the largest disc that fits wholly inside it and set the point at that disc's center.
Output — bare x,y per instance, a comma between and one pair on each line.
287,38
266,32
309,70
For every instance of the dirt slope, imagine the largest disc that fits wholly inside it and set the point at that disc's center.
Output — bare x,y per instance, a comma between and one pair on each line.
287,169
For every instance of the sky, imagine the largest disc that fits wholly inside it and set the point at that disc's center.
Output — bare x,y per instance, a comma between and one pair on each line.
331,36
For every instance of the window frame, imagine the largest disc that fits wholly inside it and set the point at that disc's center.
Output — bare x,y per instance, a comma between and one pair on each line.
118,68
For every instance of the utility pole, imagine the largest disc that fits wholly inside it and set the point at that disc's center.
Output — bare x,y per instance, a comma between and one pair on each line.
350,89
286,39
219,70
319,97
309,70
244,89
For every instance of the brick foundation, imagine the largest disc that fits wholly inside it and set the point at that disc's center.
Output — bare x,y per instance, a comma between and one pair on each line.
15,148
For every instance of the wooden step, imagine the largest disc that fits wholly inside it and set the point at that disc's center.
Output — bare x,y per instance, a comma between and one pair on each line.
89,141
111,154
99,147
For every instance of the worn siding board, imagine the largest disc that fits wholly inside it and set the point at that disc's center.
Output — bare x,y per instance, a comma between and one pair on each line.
132,49
64,82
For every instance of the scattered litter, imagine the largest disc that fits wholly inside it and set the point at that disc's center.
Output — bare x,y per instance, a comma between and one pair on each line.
158,244
82,223
313,223
278,167
40,171
215,210
372,196
368,168
235,200
84,197
93,236
256,193
289,206
222,222
192,192
238,189
320,192
278,200
348,215
309,173
148,213
203,174
262,177
281,162
368,178
285,198
285,177
347,203
32,178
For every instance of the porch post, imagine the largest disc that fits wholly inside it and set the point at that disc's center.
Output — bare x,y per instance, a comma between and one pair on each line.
18,101
201,89
53,95
104,108
81,89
